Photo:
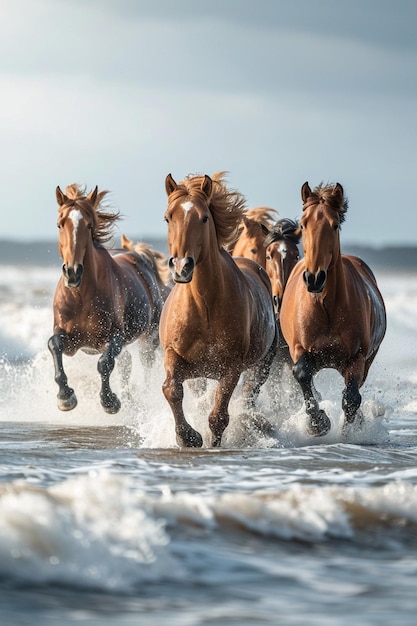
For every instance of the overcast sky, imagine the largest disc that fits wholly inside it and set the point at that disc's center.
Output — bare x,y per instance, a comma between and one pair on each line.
118,93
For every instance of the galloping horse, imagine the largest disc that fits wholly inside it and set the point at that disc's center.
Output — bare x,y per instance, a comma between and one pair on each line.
282,254
219,318
332,313
104,299
254,227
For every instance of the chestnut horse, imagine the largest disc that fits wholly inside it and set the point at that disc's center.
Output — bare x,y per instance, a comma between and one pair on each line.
104,299
218,320
332,314
254,227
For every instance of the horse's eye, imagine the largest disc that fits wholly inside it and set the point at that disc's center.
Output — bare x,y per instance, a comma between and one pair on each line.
205,218
254,250
166,219
268,257
335,226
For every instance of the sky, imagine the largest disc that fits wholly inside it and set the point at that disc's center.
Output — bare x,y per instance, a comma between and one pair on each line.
119,93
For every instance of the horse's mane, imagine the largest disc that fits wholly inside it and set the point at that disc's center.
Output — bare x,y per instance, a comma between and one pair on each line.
284,229
103,221
262,214
226,205
257,221
153,259
326,194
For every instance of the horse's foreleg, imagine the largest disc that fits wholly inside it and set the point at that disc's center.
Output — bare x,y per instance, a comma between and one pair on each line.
173,391
67,399
351,398
109,400
219,416
303,372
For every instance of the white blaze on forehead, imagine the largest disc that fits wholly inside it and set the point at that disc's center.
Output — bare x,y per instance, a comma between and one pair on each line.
75,216
282,249
187,206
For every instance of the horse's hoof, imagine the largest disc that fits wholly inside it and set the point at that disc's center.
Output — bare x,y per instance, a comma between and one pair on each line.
111,405
216,442
189,438
319,425
352,422
67,404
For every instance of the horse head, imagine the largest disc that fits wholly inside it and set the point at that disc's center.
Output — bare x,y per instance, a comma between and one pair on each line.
189,226
323,213
81,224
282,254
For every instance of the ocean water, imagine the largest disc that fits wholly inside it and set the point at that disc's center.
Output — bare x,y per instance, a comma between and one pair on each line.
103,520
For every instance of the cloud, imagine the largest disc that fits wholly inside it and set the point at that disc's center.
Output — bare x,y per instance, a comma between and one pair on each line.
120,93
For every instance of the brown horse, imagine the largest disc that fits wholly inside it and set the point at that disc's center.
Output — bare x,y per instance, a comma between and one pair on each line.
332,313
254,227
104,299
282,254
218,319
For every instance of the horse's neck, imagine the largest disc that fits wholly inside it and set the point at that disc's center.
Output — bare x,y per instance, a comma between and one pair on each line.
336,290
210,277
94,259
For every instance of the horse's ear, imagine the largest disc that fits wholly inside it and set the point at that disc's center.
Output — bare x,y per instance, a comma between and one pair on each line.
92,196
126,243
265,229
170,184
338,190
206,186
61,198
305,192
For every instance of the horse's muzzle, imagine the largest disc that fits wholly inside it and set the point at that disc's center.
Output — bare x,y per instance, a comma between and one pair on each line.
315,282
73,276
181,269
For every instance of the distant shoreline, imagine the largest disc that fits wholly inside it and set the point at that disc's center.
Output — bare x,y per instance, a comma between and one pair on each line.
45,253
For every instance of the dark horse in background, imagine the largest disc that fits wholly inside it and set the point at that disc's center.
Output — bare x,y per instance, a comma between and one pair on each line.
105,299
218,320
332,314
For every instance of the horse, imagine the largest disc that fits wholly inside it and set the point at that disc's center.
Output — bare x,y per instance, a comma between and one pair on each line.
218,320
254,227
281,254
104,299
332,314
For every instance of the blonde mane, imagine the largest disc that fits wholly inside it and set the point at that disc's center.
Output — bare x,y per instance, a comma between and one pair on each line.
227,206
103,221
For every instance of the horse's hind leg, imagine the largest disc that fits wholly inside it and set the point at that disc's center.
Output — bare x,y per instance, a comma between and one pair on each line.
303,372
109,400
67,399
